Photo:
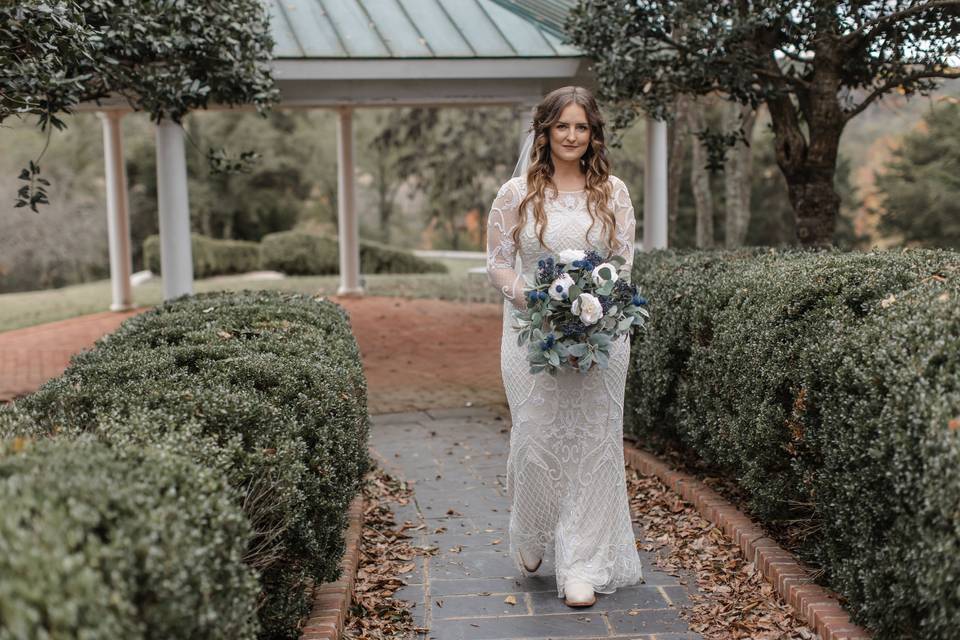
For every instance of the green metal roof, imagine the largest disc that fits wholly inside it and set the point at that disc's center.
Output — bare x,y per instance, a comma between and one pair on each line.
550,14
419,29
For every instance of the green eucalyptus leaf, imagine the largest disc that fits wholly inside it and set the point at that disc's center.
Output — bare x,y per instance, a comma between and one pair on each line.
578,350
602,359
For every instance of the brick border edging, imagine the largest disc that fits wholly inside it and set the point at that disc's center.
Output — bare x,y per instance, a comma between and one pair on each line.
816,606
331,600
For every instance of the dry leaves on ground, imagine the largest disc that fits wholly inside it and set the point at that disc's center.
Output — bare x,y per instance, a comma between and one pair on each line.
736,603
385,553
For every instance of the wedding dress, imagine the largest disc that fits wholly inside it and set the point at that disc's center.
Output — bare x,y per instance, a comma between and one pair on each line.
565,469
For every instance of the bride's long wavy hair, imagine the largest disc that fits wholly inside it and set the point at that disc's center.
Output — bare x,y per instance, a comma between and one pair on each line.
594,163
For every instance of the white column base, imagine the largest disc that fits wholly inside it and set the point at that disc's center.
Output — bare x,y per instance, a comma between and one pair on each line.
176,254
118,216
655,187
347,228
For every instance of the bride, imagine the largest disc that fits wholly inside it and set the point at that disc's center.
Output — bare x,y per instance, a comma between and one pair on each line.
565,469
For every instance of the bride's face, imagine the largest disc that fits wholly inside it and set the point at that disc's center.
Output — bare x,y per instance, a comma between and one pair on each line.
570,135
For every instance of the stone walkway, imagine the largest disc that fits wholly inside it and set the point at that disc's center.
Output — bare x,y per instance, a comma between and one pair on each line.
456,459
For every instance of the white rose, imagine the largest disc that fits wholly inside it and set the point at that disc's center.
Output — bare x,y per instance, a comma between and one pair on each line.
560,287
569,255
588,308
598,279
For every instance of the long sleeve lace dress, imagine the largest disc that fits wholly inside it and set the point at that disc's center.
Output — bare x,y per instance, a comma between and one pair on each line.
565,468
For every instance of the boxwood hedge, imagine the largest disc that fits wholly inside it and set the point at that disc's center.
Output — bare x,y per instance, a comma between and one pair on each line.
299,253
119,542
828,385
211,256
266,386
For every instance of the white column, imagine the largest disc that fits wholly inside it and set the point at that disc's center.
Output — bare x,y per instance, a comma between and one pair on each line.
655,187
347,233
176,259
118,216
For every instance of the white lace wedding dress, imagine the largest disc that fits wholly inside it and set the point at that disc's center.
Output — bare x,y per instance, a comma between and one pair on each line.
565,469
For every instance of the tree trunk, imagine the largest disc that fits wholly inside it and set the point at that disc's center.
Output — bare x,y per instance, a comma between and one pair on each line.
700,177
809,167
384,199
738,170
816,204
679,140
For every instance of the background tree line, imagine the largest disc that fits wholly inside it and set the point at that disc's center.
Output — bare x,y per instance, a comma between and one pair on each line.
426,178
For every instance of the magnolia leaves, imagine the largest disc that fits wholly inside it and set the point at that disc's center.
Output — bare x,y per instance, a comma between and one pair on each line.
34,192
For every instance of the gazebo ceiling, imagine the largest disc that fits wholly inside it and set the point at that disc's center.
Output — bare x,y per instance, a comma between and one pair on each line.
421,52
407,29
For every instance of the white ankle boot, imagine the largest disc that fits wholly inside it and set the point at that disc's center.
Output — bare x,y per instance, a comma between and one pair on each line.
578,594
527,564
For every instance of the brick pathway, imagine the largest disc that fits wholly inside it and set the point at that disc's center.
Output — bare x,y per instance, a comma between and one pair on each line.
457,460
29,357
416,353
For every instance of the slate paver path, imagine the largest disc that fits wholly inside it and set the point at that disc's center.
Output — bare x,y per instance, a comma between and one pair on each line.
456,459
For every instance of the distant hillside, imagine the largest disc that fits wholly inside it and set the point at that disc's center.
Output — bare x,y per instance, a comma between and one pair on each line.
869,139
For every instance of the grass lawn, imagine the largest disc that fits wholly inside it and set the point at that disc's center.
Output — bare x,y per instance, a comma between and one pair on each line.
19,310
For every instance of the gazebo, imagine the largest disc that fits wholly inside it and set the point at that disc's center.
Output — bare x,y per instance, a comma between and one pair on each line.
349,54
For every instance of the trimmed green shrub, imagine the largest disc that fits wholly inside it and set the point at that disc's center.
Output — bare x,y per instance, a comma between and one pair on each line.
273,382
381,258
299,253
211,256
119,542
825,383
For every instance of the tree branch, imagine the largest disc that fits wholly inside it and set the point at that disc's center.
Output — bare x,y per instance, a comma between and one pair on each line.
868,29
779,75
795,56
891,84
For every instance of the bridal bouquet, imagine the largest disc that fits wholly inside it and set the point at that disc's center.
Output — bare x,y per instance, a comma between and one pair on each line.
577,307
